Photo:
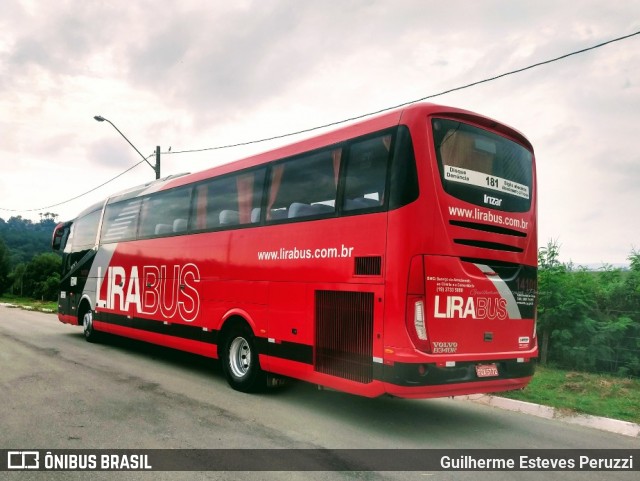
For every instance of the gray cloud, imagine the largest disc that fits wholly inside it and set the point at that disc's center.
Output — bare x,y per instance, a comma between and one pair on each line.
183,71
112,152
61,40
219,66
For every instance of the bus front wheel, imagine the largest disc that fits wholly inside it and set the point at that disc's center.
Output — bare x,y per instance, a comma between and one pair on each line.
240,361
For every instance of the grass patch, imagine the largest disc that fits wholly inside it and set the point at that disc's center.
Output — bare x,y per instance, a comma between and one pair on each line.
30,304
584,393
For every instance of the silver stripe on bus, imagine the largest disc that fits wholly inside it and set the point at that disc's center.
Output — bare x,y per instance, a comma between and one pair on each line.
512,306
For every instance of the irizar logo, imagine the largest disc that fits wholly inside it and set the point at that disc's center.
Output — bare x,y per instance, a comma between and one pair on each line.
492,200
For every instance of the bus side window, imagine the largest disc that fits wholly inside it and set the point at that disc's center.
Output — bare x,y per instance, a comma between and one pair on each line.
81,238
228,201
249,186
403,185
304,186
120,221
366,173
203,214
84,231
165,212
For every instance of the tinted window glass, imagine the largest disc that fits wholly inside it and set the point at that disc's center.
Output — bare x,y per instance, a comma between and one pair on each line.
403,188
366,173
84,231
304,186
120,221
228,201
481,167
165,213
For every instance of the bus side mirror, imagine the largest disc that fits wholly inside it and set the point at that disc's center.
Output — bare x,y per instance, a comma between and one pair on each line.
60,235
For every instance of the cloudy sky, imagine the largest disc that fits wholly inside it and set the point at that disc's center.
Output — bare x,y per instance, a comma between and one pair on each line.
195,74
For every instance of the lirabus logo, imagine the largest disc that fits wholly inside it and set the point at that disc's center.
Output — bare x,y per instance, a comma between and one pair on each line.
169,290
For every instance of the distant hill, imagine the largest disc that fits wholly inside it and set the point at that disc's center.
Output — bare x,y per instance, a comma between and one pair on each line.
25,239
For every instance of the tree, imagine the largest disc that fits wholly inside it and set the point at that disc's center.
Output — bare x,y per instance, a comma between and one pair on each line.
634,260
24,239
44,216
42,276
589,320
5,268
17,279
551,277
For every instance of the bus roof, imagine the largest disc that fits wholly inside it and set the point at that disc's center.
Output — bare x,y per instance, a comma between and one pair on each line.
359,128
342,134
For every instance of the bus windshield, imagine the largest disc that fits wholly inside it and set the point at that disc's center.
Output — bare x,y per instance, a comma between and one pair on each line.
481,167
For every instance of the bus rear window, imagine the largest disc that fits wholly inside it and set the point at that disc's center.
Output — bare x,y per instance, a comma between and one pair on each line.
481,167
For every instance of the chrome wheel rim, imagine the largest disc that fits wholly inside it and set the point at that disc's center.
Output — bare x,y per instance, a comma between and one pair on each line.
87,322
239,357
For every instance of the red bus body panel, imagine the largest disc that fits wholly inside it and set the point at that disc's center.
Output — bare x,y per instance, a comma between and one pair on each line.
179,291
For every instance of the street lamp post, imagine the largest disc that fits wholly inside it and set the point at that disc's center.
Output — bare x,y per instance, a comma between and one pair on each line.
156,167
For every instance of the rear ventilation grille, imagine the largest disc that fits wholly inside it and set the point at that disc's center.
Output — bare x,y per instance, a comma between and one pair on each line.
344,335
488,228
496,246
368,266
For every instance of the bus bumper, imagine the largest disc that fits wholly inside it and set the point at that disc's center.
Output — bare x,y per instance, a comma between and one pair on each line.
423,380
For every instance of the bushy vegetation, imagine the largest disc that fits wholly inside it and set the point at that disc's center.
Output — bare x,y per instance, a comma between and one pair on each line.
589,320
27,266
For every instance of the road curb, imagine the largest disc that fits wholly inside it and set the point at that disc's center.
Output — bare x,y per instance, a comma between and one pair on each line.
26,308
604,424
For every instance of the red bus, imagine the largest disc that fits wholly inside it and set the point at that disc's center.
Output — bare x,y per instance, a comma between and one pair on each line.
397,255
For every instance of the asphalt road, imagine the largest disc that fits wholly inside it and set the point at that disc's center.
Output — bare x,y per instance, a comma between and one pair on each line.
59,392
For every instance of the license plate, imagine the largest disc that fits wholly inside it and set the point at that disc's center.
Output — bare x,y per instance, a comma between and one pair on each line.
486,370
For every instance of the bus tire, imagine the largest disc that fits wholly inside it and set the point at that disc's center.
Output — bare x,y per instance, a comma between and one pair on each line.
90,334
240,361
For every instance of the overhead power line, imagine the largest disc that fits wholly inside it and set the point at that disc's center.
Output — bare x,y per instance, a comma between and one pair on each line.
350,119
77,196
404,104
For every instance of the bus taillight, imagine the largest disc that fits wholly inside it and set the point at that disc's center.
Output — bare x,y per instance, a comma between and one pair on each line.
418,320
416,314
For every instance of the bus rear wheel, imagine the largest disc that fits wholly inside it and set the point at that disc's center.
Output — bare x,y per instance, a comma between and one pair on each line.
240,361
90,333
